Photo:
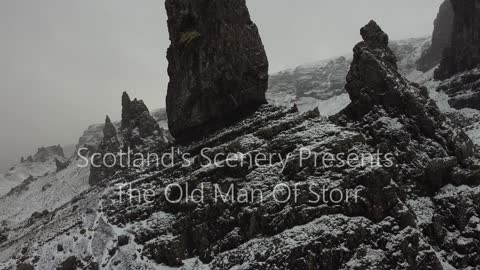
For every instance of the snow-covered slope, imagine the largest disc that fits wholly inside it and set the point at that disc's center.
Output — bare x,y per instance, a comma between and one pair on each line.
40,164
44,192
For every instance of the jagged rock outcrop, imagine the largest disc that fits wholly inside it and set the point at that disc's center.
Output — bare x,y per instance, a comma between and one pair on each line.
459,68
61,165
322,84
137,124
464,51
442,32
102,169
126,102
139,132
44,153
380,94
217,65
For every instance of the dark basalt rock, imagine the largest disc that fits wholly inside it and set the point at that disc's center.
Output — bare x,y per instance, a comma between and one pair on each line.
137,122
126,102
71,263
123,240
470,101
139,131
372,72
463,90
109,144
464,51
374,37
61,165
441,36
217,65
25,266
379,94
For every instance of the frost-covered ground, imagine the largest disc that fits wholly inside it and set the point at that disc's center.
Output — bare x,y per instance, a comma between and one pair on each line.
21,171
45,192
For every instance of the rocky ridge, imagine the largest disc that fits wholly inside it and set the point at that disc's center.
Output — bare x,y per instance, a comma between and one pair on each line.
139,131
46,160
442,33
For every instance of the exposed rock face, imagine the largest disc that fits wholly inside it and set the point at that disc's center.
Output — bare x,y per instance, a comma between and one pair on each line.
463,90
464,52
217,65
381,96
91,137
44,153
61,165
322,84
126,102
441,36
137,124
367,79
109,144
138,131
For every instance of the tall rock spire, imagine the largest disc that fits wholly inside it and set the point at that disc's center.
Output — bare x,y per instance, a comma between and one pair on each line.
218,67
126,102
464,52
109,130
442,33
109,144
378,92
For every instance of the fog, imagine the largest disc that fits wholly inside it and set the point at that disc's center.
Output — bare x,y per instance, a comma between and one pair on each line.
64,64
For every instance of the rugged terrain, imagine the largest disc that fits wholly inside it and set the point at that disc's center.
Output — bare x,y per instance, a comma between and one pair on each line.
416,194
420,213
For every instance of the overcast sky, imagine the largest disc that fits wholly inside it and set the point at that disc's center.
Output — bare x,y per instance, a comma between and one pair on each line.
65,63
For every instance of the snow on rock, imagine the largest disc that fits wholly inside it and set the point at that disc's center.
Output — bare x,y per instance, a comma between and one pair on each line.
321,84
40,164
